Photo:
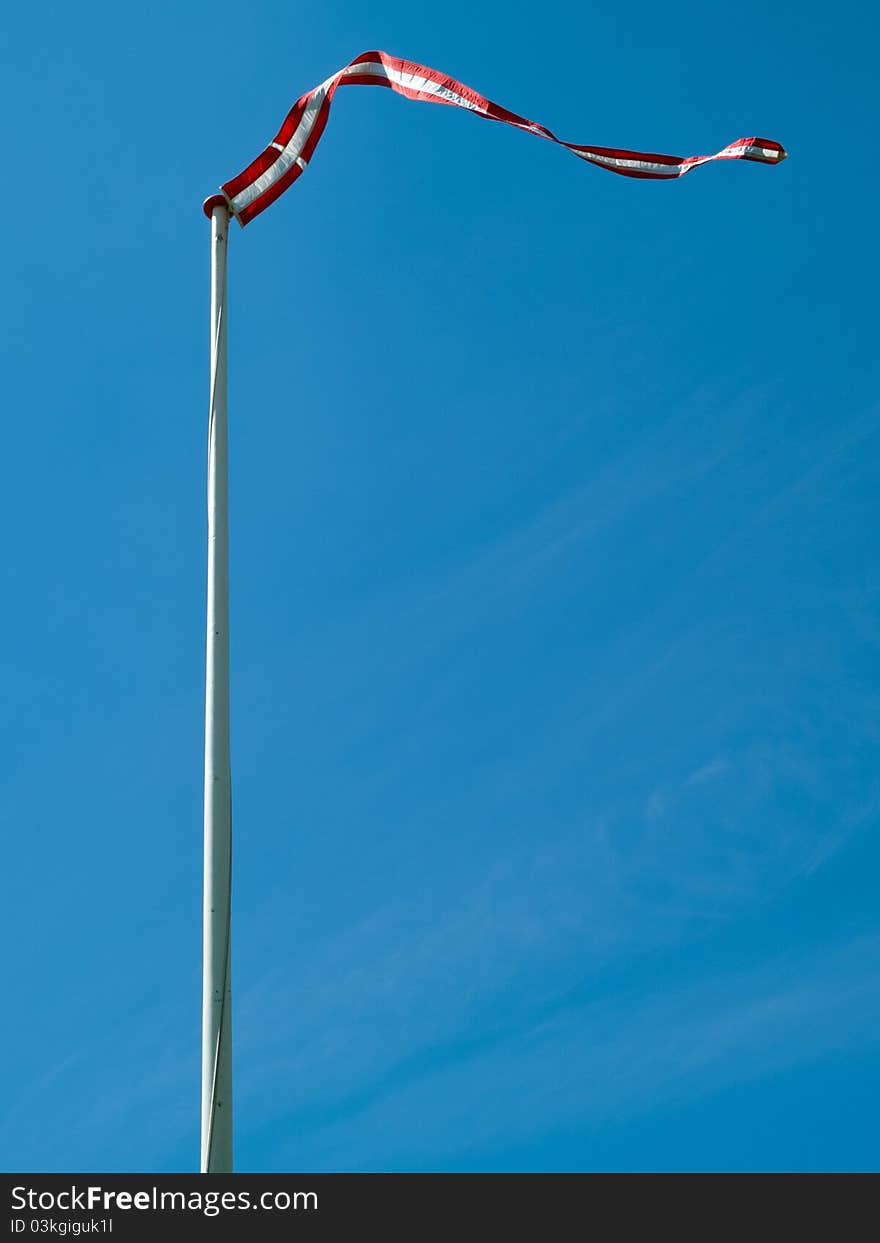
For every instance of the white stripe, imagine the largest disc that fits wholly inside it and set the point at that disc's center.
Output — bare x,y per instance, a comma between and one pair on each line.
644,166
769,153
674,170
427,86
412,82
299,160
291,154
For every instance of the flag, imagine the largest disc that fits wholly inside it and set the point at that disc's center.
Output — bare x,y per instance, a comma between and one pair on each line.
289,153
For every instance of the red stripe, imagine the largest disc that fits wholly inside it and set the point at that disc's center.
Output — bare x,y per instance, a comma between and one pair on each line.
269,196
764,142
292,120
363,79
640,173
263,161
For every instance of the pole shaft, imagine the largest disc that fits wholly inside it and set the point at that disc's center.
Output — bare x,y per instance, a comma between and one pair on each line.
216,1154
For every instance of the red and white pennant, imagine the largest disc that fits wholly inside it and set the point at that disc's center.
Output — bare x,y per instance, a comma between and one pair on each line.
288,155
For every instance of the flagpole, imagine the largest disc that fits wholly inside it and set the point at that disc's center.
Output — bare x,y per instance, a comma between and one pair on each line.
216,1147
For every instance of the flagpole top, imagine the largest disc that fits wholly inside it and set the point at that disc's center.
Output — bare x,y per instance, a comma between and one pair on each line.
214,200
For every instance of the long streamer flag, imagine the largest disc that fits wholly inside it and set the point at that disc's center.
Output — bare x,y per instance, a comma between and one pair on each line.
288,155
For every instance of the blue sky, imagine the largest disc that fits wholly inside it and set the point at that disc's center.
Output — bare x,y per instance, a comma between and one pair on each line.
554,622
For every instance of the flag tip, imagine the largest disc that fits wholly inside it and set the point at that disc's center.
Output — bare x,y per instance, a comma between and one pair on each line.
212,201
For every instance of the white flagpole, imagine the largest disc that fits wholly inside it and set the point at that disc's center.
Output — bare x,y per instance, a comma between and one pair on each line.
216,1157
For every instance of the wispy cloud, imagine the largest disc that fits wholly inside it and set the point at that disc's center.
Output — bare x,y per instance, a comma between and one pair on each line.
611,1059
